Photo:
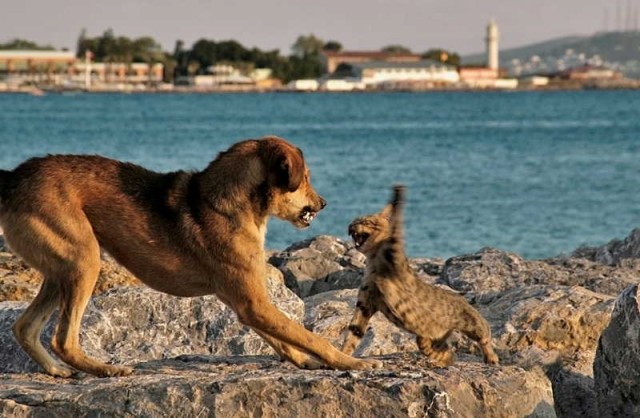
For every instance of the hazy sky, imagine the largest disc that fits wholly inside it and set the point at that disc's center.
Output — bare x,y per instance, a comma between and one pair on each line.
457,25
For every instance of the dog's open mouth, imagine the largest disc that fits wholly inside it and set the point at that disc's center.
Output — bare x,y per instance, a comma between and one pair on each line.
307,216
359,239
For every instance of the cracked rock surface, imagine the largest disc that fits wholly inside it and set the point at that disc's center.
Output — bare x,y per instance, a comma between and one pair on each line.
550,319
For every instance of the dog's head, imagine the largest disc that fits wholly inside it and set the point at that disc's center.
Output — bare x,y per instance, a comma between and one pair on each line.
369,231
292,198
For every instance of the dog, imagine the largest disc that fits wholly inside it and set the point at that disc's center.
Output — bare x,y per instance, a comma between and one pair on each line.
182,233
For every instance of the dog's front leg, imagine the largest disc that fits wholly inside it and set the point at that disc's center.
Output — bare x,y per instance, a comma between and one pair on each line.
251,303
290,353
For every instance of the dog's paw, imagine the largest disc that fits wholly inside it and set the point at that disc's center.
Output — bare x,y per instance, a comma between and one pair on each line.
61,371
368,364
113,371
492,360
312,364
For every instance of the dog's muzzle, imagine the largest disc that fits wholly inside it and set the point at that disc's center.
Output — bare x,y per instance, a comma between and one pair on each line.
307,216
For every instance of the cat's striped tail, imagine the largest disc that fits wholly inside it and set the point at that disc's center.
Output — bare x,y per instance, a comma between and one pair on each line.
395,251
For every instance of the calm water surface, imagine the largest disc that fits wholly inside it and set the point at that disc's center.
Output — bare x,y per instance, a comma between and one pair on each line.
535,173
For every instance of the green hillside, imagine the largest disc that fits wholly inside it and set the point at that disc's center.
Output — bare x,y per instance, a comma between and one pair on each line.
613,47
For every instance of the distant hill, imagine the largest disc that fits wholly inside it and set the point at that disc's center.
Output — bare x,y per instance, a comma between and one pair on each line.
619,50
557,44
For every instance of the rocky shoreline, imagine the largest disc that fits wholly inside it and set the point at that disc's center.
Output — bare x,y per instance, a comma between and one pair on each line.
566,330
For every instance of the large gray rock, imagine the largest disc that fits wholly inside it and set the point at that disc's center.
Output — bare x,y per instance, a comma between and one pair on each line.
609,280
323,259
616,367
565,319
546,317
490,271
615,251
328,314
18,281
131,324
554,328
259,386
573,386
326,263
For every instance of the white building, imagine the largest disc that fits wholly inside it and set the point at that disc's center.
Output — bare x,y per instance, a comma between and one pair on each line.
333,84
223,74
303,85
378,73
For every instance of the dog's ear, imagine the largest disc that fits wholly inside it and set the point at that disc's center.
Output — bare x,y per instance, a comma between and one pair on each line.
287,166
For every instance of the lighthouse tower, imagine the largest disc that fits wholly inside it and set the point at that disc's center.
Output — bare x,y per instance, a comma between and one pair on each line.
492,45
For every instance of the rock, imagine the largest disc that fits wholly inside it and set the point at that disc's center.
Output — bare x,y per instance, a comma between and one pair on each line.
573,386
557,320
553,327
341,279
328,314
261,386
325,263
130,324
614,252
18,281
322,258
609,280
556,327
428,268
560,318
490,271
546,317
617,364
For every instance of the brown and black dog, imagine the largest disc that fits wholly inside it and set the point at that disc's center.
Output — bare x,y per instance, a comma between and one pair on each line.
186,234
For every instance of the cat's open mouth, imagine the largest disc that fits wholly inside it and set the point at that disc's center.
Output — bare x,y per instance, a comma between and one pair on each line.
359,239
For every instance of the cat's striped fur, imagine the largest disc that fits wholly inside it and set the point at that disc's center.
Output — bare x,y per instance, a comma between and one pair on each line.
391,287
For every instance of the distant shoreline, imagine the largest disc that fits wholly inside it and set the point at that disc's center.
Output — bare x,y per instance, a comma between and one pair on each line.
35,91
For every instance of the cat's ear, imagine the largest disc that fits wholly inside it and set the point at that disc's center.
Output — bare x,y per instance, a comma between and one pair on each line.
386,211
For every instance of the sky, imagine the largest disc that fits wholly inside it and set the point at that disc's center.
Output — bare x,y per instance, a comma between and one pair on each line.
455,25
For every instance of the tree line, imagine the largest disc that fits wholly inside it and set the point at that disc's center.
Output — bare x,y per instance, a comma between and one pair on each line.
303,62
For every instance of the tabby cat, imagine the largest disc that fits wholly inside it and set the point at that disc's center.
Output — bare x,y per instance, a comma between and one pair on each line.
391,287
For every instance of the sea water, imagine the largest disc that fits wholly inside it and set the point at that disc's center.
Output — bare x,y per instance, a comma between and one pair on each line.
537,173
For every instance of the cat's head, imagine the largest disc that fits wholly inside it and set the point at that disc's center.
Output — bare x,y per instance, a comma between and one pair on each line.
369,231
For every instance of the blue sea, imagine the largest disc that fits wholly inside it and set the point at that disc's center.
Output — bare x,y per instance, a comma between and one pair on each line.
537,173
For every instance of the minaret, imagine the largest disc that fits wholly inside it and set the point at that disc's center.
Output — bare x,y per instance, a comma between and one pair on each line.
492,45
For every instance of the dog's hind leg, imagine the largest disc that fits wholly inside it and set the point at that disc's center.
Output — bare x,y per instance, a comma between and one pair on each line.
28,328
77,280
290,353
